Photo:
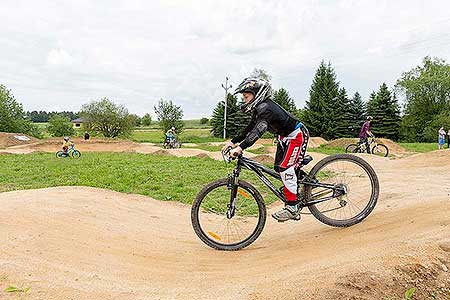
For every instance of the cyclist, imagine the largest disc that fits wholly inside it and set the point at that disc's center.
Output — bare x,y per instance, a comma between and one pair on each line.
170,136
365,133
66,144
292,139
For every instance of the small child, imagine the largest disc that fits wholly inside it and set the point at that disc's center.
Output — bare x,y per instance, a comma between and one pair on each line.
66,144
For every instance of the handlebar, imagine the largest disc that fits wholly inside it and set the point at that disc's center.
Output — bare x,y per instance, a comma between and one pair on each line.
227,157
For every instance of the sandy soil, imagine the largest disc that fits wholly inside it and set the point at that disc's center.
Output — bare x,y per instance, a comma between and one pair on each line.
88,243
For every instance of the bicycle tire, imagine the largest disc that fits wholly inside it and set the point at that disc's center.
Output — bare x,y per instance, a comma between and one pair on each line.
59,154
76,154
196,224
380,146
367,209
352,148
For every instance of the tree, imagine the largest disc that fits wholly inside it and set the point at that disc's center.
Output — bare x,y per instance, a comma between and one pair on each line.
261,73
383,107
426,89
60,125
106,117
146,120
204,121
319,113
135,120
357,114
169,115
12,116
236,119
342,115
284,100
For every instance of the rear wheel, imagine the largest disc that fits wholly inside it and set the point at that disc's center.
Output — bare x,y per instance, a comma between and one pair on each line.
355,193
380,150
60,154
352,148
211,220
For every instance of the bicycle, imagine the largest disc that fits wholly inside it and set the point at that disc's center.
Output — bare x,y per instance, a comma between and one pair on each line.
71,152
230,213
376,148
171,144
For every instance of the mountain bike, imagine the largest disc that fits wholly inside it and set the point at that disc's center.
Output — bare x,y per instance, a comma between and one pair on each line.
376,148
71,152
230,213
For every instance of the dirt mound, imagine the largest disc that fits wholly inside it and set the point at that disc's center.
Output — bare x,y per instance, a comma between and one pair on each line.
394,148
315,142
202,155
58,241
14,139
264,159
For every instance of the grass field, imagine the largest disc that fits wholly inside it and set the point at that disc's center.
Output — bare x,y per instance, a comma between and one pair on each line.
161,177
420,147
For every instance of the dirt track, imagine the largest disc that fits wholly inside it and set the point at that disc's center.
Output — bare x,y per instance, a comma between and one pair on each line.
87,243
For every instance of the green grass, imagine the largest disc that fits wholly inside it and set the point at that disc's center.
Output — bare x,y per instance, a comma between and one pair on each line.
161,177
421,147
327,150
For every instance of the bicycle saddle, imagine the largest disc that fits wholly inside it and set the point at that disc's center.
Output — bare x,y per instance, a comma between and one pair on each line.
306,160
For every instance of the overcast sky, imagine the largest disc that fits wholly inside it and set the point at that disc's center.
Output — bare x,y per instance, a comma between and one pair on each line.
58,55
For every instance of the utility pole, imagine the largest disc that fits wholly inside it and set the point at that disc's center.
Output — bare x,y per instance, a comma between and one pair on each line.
226,88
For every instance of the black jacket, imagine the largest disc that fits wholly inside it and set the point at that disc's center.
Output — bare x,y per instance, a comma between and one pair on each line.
270,116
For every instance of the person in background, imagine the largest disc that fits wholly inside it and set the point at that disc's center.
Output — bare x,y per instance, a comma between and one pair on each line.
448,139
86,136
365,133
66,144
441,138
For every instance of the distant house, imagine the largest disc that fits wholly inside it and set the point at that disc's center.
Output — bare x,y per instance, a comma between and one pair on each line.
77,123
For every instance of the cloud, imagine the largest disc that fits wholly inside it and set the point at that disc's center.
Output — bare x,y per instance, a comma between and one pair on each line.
62,55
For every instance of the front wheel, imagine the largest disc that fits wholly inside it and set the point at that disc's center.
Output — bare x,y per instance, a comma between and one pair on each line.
380,150
216,227
354,192
76,154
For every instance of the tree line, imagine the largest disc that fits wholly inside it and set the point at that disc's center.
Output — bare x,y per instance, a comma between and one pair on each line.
331,113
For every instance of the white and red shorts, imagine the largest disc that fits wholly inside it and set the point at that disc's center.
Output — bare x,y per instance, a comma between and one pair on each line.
291,150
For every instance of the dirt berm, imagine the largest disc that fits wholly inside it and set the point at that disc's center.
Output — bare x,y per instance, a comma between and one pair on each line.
88,243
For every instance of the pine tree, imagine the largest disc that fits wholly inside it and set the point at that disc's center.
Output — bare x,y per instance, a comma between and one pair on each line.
284,100
342,112
383,107
236,119
357,114
319,113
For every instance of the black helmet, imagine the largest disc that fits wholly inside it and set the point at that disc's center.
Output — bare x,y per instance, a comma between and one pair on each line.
260,89
369,118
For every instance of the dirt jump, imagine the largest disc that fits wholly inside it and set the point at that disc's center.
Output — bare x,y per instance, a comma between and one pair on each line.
88,243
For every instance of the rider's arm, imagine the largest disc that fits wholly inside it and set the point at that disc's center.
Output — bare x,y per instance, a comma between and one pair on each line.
259,129
243,133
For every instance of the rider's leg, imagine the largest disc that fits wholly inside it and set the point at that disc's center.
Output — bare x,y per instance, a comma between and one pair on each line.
290,151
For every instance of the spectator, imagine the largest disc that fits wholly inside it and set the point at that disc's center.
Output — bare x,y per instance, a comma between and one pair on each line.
86,136
441,138
448,139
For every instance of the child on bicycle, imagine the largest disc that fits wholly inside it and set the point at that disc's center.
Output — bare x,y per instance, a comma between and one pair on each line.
66,144
365,133
292,136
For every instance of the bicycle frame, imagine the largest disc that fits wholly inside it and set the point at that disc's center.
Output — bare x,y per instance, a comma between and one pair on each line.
259,169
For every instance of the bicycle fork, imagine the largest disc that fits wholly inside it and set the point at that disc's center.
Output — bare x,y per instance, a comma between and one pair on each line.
233,185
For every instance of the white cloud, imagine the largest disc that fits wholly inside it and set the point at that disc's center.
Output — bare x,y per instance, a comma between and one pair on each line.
59,57
63,54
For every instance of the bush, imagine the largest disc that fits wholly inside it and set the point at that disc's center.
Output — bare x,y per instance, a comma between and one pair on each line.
60,125
204,121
